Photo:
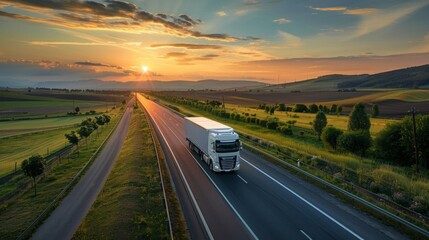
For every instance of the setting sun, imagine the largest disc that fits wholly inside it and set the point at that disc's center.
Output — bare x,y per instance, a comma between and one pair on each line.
145,68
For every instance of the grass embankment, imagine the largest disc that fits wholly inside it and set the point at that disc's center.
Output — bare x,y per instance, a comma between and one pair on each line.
17,215
131,204
398,184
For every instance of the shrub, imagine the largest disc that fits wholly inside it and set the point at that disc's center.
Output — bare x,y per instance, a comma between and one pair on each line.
272,124
300,108
330,137
388,145
357,142
286,130
313,108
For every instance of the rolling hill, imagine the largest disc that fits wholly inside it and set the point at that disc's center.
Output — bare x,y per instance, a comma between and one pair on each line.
413,77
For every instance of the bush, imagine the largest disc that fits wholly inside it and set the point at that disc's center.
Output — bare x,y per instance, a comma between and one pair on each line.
272,124
357,142
330,137
286,130
388,145
300,108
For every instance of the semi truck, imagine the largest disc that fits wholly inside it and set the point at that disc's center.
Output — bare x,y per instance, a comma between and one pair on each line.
215,143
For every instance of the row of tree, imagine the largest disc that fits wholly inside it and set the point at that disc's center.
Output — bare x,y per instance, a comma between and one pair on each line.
87,127
397,143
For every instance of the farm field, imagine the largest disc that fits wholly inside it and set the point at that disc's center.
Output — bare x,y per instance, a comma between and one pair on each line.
303,120
392,103
20,147
8,128
42,103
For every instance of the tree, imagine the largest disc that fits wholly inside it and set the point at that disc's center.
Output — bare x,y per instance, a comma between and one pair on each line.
358,119
357,142
77,109
300,108
389,145
319,123
282,107
333,109
374,111
85,131
272,109
73,139
33,167
313,108
330,137
340,110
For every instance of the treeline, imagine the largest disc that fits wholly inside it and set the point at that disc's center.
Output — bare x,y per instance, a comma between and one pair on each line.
301,108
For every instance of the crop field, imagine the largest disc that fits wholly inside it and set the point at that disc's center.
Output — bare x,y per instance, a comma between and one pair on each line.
303,120
20,147
8,128
392,103
38,103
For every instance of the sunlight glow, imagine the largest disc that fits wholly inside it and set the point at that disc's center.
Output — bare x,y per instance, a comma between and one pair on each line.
145,69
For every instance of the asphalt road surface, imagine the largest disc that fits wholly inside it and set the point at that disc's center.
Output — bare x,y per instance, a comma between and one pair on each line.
66,218
260,201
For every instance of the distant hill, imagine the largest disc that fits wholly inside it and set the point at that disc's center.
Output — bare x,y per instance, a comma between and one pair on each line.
414,77
150,85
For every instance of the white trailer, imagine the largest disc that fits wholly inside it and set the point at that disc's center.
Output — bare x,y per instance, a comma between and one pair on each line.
217,144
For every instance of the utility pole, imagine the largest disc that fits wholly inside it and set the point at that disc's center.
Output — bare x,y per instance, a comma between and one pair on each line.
416,153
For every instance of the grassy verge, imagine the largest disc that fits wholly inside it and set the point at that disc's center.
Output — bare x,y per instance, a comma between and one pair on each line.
17,215
130,206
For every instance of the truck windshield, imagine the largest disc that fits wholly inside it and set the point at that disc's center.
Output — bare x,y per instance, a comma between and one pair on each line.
224,147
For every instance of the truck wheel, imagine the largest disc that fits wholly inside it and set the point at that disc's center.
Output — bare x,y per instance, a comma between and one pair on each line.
211,165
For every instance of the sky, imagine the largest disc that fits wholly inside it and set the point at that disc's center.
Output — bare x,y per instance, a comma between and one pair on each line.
273,41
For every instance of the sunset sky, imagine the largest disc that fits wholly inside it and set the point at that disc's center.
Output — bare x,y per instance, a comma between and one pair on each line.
273,41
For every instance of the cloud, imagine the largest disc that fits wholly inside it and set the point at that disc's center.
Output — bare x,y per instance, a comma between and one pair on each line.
386,17
248,6
176,55
345,10
360,11
93,64
113,16
282,21
290,40
329,9
186,45
221,13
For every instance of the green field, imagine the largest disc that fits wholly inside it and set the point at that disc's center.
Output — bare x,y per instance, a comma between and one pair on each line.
16,127
130,205
303,119
20,147
15,216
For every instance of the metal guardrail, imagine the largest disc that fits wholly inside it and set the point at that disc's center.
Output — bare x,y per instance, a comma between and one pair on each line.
60,195
152,131
382,211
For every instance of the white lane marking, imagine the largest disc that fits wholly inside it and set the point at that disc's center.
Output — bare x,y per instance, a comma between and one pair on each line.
304,200
305,235
211,180
188,188
242,178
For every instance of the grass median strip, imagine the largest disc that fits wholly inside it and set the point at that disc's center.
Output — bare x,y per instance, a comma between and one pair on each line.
17,215
131,203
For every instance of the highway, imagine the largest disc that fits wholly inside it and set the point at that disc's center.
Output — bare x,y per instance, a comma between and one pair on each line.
260,201
66,218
